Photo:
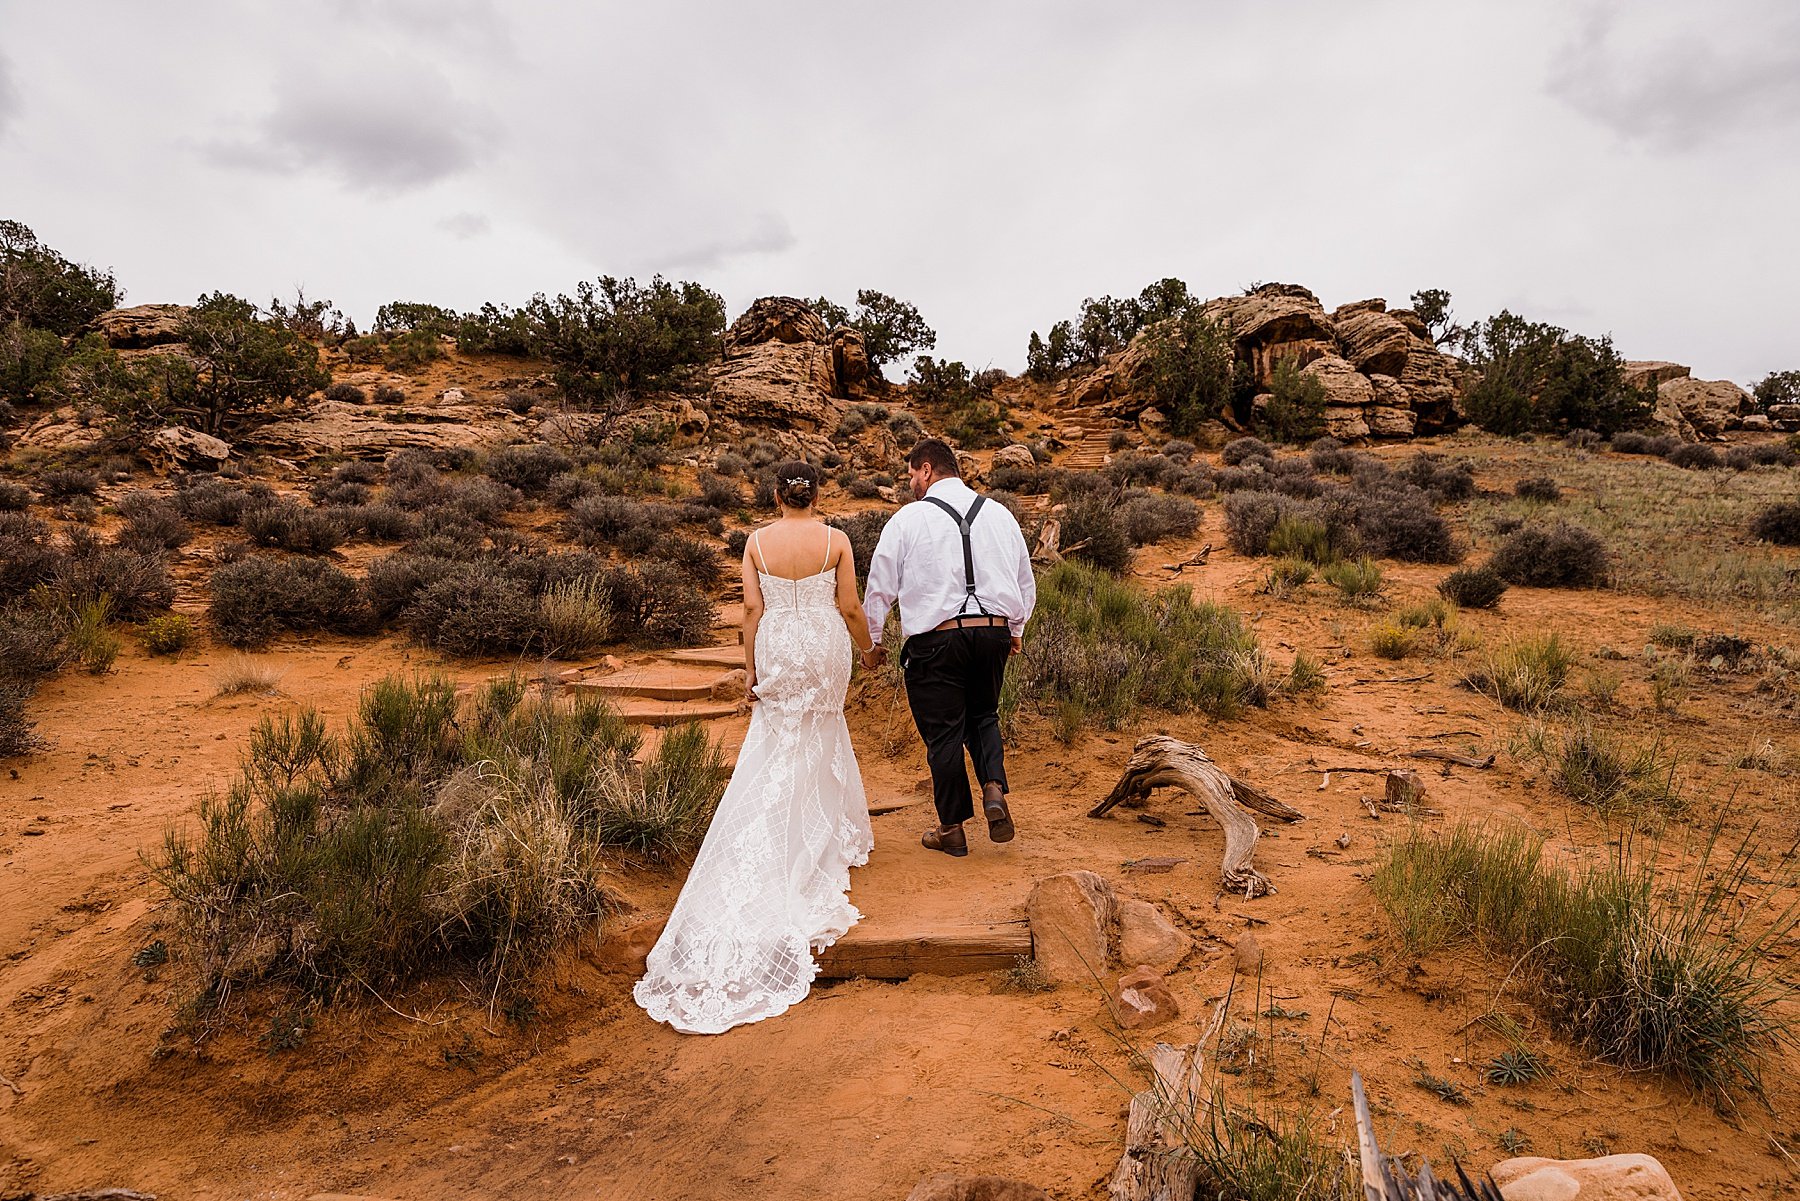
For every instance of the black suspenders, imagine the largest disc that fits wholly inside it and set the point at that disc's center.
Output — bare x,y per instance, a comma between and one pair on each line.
962,524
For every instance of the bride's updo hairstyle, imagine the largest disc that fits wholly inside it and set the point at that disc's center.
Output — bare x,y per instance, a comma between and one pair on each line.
797,484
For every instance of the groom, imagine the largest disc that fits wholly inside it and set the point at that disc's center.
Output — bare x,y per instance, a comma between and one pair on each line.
960,569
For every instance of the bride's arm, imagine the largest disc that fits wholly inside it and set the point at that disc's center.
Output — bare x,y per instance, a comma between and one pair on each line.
753,611
847,602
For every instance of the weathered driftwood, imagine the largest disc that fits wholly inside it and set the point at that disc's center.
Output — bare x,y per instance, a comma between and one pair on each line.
1159,761
1158,1164
1385,1178
1049,535
1451,757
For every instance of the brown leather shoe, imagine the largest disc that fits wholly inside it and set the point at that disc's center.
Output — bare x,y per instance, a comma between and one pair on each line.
952,842
999,817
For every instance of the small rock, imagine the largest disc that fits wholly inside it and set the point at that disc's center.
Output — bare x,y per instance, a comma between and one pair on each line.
1248,954
1147,936
453,396
1015,455
953,1186
1142,999
731,686
1404,788
1343,840
1072,918
1634,1177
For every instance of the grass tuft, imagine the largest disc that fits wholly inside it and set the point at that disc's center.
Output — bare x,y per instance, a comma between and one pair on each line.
1527,675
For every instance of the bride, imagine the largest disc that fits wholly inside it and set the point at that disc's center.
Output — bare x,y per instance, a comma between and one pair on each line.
768,887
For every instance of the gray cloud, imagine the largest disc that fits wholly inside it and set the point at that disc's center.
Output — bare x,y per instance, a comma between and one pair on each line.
466,225
1683,77
390,125
9,95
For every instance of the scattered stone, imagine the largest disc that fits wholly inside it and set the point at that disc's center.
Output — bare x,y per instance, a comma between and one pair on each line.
1343,841
731,686
1147,936
453,396
1405,788
954,1186
1072,918
1142,999
1015,455
1248,954
1633,1177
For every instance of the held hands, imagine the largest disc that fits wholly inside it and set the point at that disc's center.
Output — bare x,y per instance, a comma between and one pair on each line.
874,657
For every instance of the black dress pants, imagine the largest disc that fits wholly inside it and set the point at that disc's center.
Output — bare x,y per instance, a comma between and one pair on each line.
953,680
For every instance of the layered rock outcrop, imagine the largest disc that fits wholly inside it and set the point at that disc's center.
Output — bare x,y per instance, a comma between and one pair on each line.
784,368
1698,409
141,326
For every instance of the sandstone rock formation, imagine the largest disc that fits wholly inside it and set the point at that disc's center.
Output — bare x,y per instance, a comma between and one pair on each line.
179,446
356,432
1696,409
1275,322
141,325
1072,917
1607,1178
1652,374
781,368
63,429
1376,343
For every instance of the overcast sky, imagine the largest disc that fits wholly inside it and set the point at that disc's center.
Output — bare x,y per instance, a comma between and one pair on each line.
1624,168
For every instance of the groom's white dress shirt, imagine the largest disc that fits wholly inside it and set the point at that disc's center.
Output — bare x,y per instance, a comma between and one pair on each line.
919,562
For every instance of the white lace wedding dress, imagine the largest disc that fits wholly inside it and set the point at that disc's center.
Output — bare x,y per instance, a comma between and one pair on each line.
768,887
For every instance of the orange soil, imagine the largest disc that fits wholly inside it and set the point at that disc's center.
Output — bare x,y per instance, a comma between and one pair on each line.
866,1086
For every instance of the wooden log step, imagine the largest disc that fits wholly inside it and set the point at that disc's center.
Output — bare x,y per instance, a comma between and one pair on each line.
950,951
673,713
645,690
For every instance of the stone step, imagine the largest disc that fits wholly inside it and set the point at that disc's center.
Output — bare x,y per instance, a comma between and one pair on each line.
644,690
657,714
711,656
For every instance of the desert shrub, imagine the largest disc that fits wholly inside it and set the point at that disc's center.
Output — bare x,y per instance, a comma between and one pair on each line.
658,604
380,522
411,351
87,636
1398,522
339,493
475,610
1603,770
1540,488
393,580
1472,587
169,634
864,531
663,809
1251,519
152,523
136,584
63,482
1072,485
1095,532
1303,538
1295,410
1189,368
575,618
1527,674
27,557
1445,482
235,367
1779,523
1580,439
1391,640
348,394
698,561
1647,970
1761,454
1536,376
1241,450
1285,577
1153,517
1328,454
720,493
1098,651
860,417
529,468
16,737
1134,469
631,526
259,596
1557,555
1634,443
478,499
292,527
14,498
1356,579
564,490
1695,456
202,498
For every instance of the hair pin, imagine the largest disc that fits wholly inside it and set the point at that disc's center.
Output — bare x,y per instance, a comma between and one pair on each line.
798,481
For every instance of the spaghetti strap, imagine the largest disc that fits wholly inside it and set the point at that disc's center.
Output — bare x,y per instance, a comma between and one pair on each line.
826,562
762,564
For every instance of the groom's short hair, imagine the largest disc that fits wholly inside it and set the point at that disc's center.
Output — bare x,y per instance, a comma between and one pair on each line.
937,453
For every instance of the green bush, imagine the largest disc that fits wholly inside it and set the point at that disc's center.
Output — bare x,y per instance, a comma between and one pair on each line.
891,329
1777,388
1355,579
236,367
1603,770
1104,326
1536,376
29,362
1295,411
1189,367
1472,587
169,634
40,288
1094,531
1779,523
1648,971
1098,651
1527,674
